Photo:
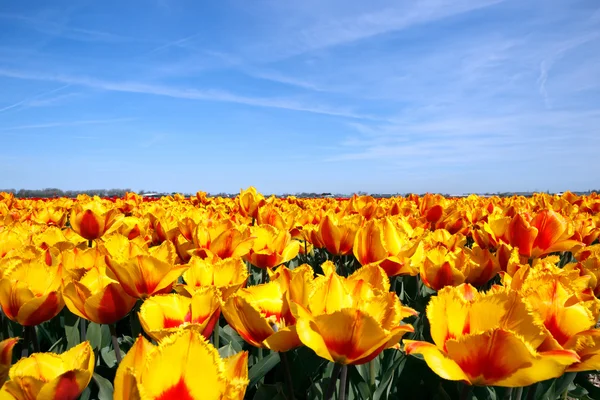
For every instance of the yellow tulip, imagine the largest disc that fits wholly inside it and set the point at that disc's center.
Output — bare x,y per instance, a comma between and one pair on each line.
250,201
30,292
50,376
93,220
184,366
487,339
98,298
271,247
226,275
350,320
143,272
6,349
338,234
382,242
164,315
261,314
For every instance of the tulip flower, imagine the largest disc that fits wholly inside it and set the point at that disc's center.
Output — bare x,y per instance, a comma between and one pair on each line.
143,272
98,298
560,299
382,241
30,292
250,201
546,233
50,376
442,267
144,275
93,220
163,315
183,366
221,240
226,275
261,314
489,339
338,234
271,247
6,349
349,321
56,216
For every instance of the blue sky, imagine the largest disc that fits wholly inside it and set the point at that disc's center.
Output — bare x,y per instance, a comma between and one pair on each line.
289,96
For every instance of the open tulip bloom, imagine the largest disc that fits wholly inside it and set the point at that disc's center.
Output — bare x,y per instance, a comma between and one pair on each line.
487,339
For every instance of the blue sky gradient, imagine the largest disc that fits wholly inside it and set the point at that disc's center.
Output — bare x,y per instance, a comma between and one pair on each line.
449,96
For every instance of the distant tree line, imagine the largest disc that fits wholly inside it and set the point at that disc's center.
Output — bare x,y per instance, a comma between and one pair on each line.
54,192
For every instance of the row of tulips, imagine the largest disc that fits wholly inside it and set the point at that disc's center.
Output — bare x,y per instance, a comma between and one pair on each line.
200,297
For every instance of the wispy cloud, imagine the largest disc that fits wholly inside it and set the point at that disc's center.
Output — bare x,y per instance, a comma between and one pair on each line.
39,100
191,94
62,124
63,30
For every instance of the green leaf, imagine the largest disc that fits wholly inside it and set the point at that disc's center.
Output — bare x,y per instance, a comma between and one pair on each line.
227,351
94,335
72,330
388,375
86,394
105,388
270,392
262,367
484,393
108,355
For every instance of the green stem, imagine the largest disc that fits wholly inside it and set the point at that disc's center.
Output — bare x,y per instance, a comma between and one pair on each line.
288,374
264,275
332,382
216,334
90,243
115,342
343,379
82,329
34,339
372,377
517,393
393,281
531,391
465,393
25,348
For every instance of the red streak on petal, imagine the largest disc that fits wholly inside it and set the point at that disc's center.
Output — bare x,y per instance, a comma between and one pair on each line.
90,229
67,388
171,322
179,391
46,311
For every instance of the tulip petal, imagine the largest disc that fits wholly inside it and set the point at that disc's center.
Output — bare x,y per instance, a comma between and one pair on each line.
67,386
284,339
344,336
246,320
40,309
437,360
125,382
172,373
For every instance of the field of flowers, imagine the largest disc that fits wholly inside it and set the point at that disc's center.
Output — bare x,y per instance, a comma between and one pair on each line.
286,298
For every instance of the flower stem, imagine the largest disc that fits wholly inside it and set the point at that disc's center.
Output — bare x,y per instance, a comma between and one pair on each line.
343,379
216,334
34,339
25,348
372,375
288,374
115,342
517,393
465,393
332,381
90,243
82,329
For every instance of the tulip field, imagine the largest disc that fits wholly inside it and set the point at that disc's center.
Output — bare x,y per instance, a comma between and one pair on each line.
416,297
